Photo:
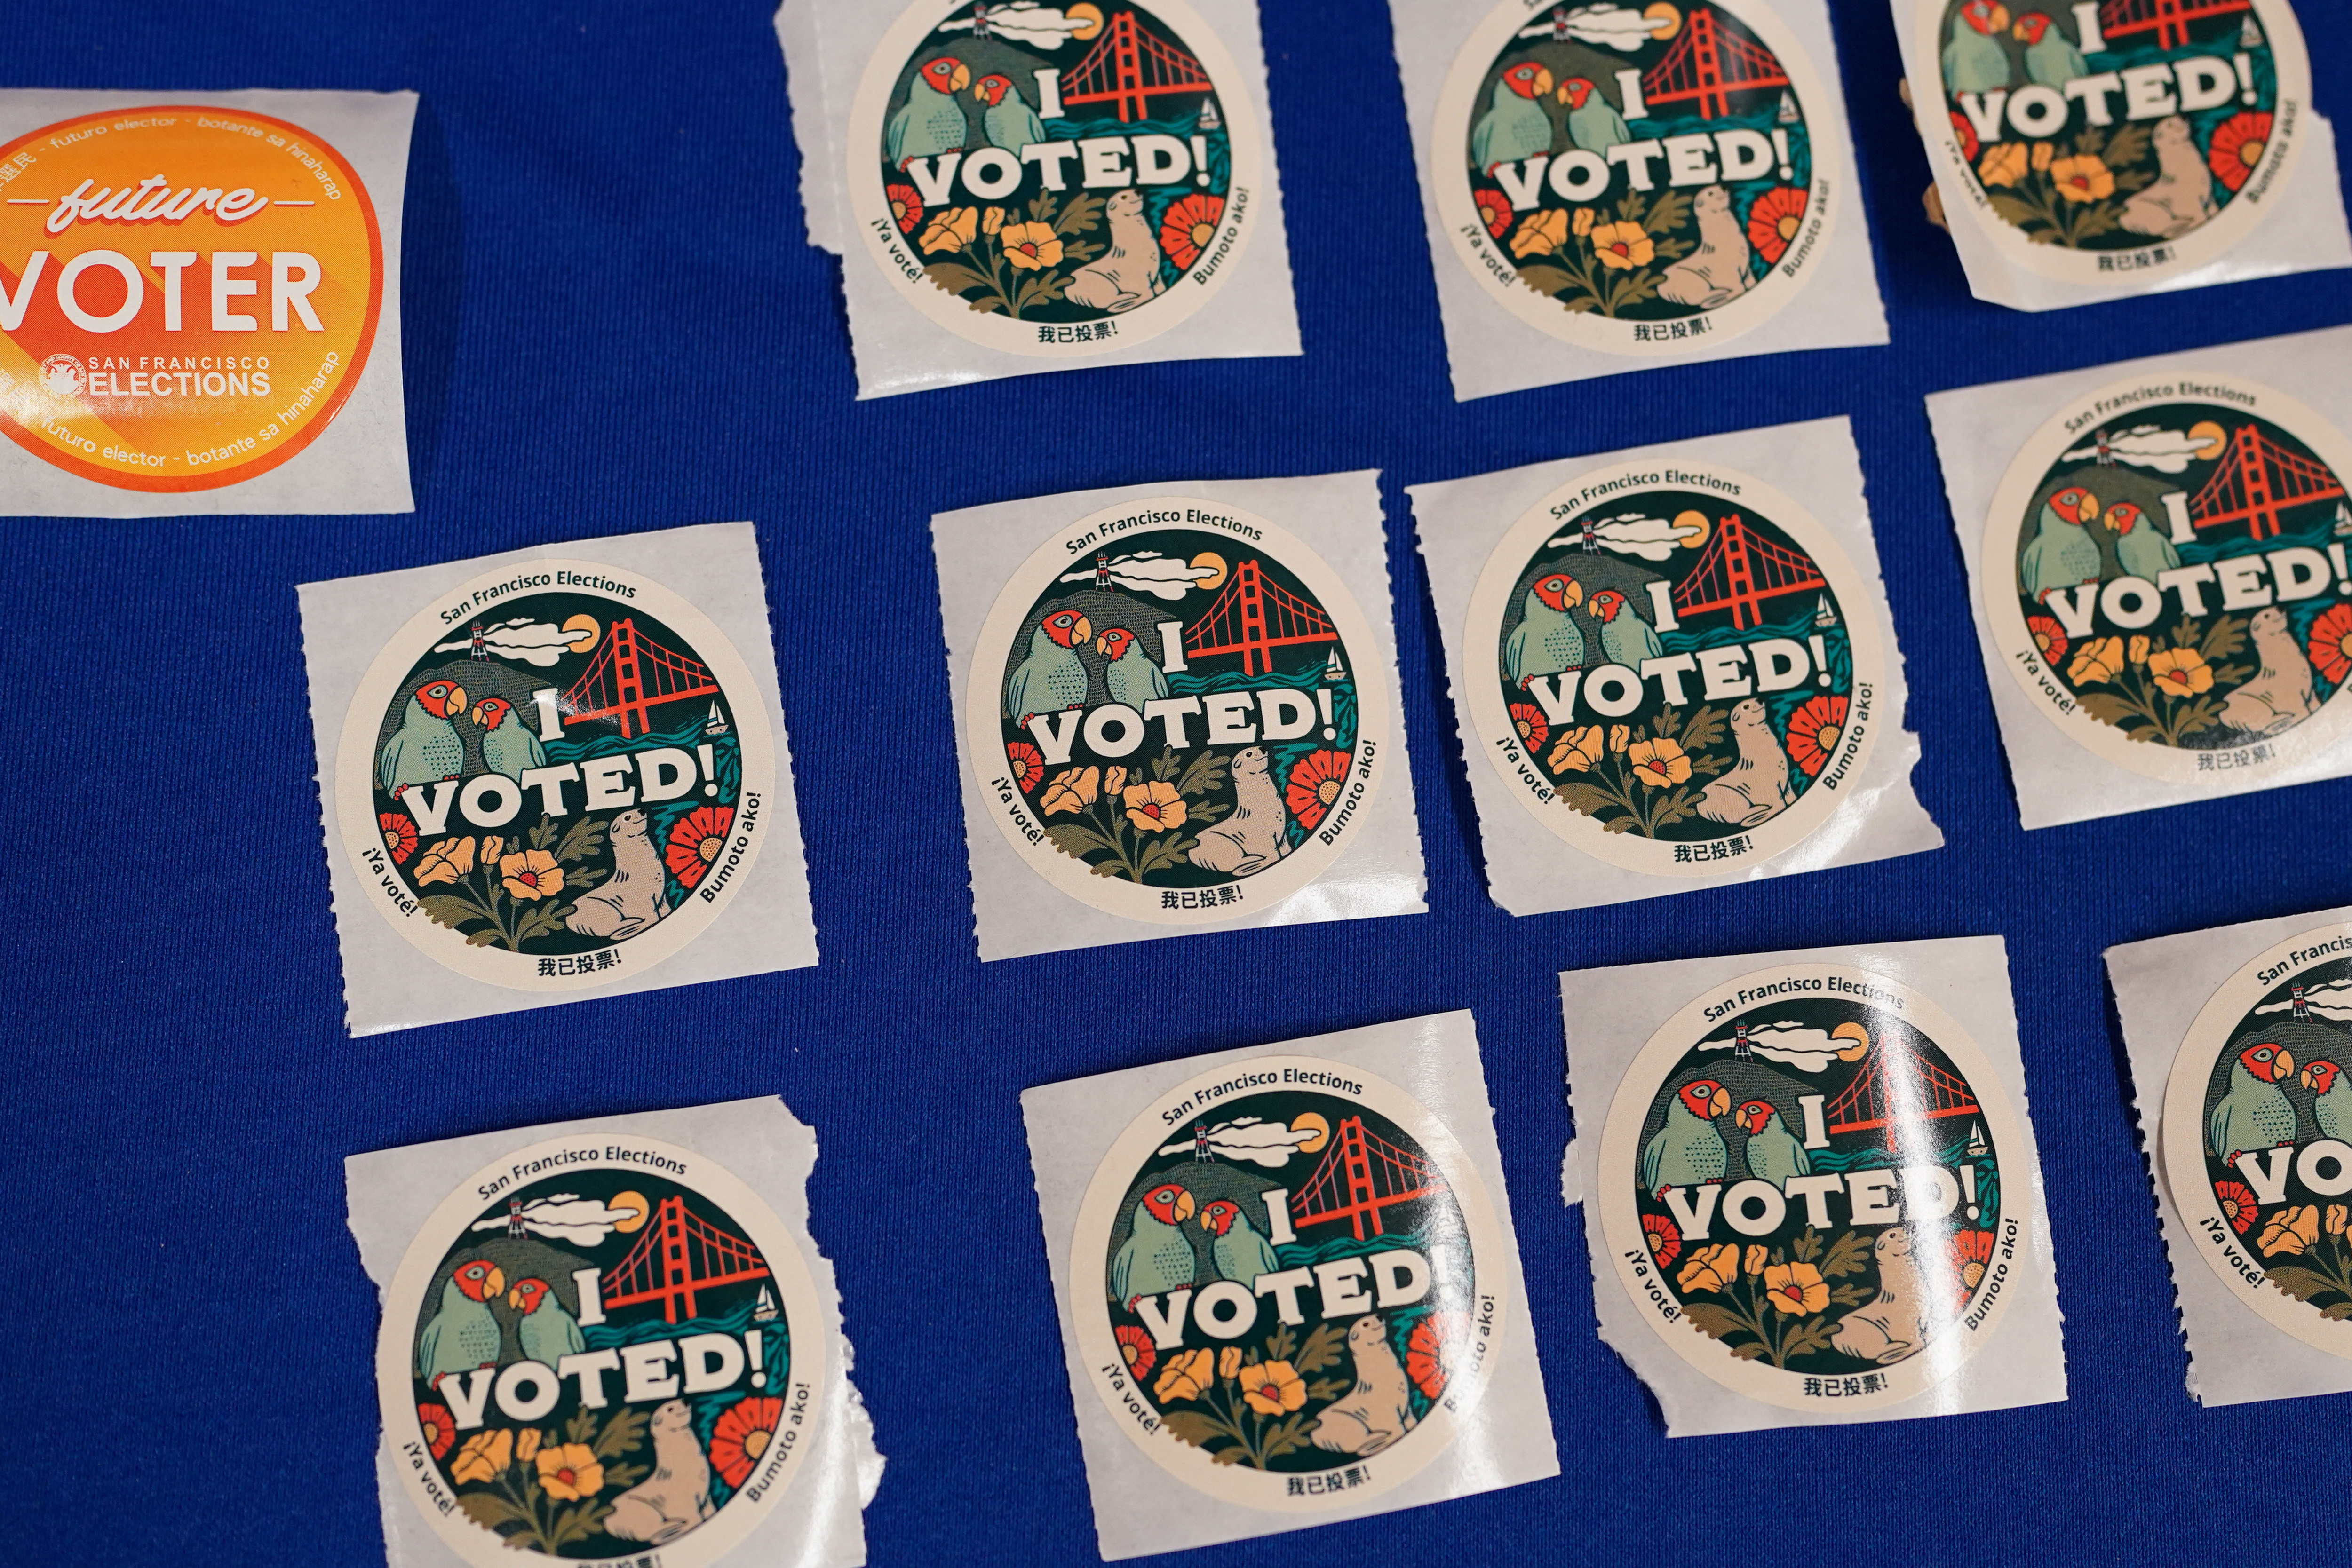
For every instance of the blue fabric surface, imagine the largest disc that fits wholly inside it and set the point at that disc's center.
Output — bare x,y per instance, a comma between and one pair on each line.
612,324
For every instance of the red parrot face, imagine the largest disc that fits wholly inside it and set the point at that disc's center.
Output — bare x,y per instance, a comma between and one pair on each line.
948,74
2076,504
1220,1216
2123,517
1170,1205
1529,79
1607,603
991,89
2030,27
1559,590
2269,1062
527,1295
1114,643
1753,1116
441,699
1574,92
1986,15
2321,1076
480,1280
1067,627
1707,1099
493,712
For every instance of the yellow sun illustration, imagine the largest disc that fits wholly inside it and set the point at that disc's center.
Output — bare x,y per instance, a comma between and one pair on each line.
1692,528
1213,563
632,1200
1857,1040
1088,20
1664,20
1318,1130
580,633
2209,438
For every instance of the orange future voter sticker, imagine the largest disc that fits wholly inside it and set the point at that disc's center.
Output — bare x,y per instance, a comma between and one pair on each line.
187,295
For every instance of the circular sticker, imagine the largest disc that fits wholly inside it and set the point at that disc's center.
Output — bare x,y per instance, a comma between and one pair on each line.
1180,710
597,1347
1686,665
1287,1282
187,295
1801,1186
1060,180
1641,181
2182,601
553,776
2129,142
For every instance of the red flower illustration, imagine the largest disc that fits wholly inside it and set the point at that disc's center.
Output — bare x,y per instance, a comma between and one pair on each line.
2238,1205
744,1431
2331,643
1135,1349
905,207
1971,1252
440,1429
1529,720
2048,636
695,842
1666,1241
1315,785
2238,144
1815,731
1496,210
400,833
1028,764
1968,135
1188,226
1774,221
1429,1351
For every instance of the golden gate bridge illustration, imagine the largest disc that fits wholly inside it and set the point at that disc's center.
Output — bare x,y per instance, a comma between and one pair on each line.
1253,617
1130,68
1362,1174
679,1255
1707,66
631,675
1918,1089
2256,480
2168,19
1738,572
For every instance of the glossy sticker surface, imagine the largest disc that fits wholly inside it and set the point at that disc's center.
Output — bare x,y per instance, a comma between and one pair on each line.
187,295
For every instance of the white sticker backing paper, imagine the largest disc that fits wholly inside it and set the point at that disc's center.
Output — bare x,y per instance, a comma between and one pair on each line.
1810,1185
554,773
1677,666
611,1339
1288,1286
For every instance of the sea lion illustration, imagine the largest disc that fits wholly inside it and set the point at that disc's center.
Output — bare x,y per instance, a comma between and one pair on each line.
1893,1324
2182,196
1252,838
676,1496
1717,272
2279,697
1127,273
636,893
1379,1409
1757,787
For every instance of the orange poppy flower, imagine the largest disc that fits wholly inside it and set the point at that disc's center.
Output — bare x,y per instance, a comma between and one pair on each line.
2082,178
1968,135
531,874
571,1471
2238,144
1028,247
1188,226
1666,1241
440,1429
2181,672
2238,1205
1135,1349
1529,720
1188,1374
1496,210
2331,643
483,1457
1622,246
1429,1351
2048,636
1773,221
1660,762
1314,787
745,1429
1797,1288
905,207
1815,732
1154,807
1971,1252
1272,1387
1028,764
695,842
2293,1231
400,833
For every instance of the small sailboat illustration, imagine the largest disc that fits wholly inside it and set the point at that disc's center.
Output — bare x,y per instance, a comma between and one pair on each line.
2343,528
1825,613
1333,670
1788,115
1977,1147
716,724
765,1309
1209,119
2250,33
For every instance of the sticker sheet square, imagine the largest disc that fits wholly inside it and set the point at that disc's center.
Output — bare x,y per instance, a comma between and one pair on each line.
1259,1341
1673,667
554,773
1178,711
2157,552
1810,1188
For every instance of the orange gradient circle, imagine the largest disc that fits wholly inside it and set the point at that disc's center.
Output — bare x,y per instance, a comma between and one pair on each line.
187,295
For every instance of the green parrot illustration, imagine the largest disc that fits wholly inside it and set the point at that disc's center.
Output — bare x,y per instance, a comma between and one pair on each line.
1545,642
2061,555
508,746
424,749
547,1333
1974,61
1240,1253
1516,127
931,121
1157,1257
1773,1153
1128,676
2256,1114
1051,678
1626,639
1687,1151
2331,1102
1010,122
463,1334
2140,546
2050,57
1593,122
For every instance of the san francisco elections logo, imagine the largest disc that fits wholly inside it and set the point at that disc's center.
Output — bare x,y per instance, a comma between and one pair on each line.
1635,180
554,776
1178,711
599,1346
1801,1186
1279,1287
198,288
1052,180
1684,667
2182,601
2120,140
